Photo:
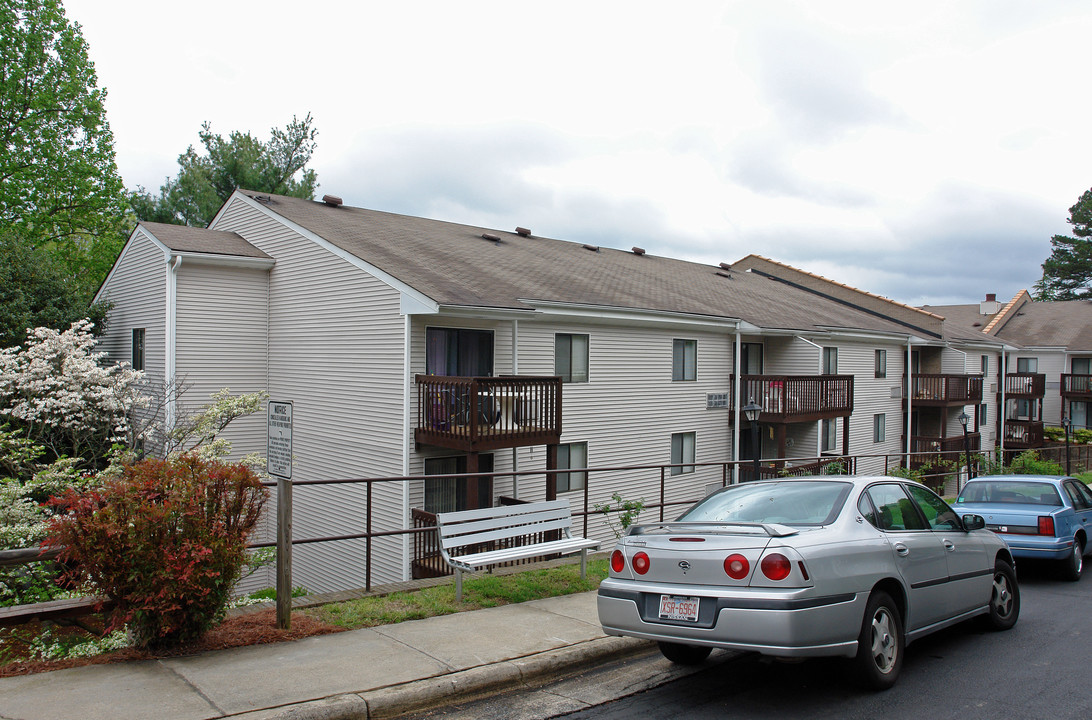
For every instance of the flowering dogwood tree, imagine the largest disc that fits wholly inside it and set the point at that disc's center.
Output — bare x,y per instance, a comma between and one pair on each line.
56,392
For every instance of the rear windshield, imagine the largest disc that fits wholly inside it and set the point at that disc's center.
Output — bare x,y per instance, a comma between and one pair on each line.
789,503
1010,491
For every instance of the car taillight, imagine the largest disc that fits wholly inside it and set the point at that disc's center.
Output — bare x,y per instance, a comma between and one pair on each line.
737,566
640,563
1046,525
776,566
617,561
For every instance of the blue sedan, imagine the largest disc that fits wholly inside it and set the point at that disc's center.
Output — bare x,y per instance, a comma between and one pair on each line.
1041,517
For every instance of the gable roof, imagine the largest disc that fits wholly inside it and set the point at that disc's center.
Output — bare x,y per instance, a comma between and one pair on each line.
455,266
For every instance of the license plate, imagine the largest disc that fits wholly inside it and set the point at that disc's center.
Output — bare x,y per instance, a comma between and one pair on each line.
673,607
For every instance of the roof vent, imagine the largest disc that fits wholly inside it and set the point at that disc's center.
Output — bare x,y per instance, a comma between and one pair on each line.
638,251
726,266
724,274
593,248
523,232
488,236
332,200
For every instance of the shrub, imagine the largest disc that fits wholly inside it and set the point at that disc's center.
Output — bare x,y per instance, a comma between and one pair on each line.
165,540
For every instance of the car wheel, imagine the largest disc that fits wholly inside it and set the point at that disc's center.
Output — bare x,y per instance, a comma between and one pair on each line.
684,654
881,643
1005,598
1074,564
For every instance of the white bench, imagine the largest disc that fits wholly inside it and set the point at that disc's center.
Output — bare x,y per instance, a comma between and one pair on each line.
462,530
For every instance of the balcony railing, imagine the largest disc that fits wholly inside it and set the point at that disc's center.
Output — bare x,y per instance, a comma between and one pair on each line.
1077,387
942,390
1025,385
798,398
486,413
927,450
1024,434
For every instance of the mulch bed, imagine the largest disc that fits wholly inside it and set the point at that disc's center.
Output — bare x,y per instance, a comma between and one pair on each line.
255,628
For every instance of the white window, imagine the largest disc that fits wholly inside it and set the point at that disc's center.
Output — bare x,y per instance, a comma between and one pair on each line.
684,360
985,364
571,357
830,361
1027,365
881,363
138,348
830,436
572,455
682,452
879,427
982,414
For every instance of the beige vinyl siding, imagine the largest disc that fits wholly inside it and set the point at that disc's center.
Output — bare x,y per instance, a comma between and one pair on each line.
220,331
1052,364
629,409
871,396
137,289
336,353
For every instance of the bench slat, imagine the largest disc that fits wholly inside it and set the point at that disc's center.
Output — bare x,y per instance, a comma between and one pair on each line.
556,547
448,528
505,510
451,543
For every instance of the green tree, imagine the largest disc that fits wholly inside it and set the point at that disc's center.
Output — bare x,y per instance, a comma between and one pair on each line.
59,184
205,181
1067,273
37,291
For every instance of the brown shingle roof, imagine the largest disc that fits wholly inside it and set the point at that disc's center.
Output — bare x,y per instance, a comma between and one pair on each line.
181,238
453,265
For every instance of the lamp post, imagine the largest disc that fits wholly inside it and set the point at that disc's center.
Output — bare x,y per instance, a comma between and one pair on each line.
1066,423
964,418
751,411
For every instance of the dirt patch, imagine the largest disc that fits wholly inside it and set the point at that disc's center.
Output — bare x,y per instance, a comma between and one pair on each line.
255,628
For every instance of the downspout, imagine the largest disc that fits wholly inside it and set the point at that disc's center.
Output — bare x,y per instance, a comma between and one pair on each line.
1003,410
909,398
819,371
515,371
169,364
406,432
737,384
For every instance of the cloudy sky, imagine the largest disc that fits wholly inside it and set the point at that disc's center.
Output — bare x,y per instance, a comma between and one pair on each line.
925,152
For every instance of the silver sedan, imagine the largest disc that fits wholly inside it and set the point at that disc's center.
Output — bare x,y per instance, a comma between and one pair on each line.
808,567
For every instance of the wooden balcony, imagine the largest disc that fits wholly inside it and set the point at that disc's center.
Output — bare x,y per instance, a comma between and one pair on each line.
944,390
927,450
1024,434
1025,385
1077,387
475,414
798,398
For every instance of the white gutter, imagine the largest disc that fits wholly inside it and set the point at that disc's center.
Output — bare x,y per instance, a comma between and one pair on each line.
406,431
819,369
169,363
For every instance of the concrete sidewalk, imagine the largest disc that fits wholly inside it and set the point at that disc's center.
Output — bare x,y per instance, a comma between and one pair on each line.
377,672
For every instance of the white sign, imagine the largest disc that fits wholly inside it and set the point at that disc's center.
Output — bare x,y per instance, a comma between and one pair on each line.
278,451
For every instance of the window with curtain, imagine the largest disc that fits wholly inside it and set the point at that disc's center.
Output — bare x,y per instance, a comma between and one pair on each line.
830,361
1027,365
750,360
830,436
450,494
459,352
138,349
682,451
879,427
881,363
684,360
571,357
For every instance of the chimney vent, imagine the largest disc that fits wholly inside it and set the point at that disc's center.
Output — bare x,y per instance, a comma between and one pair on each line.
523,232
991,297
638,251
332,200
726,266
989,306
593,248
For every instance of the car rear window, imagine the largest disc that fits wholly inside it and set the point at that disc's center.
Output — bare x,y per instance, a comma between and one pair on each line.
787,502
1009,491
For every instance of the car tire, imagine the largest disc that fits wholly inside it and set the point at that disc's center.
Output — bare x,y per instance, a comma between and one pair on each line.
685,654
881,643
1074,564
1004,598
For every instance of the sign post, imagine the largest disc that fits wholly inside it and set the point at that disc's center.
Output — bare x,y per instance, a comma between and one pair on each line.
279,465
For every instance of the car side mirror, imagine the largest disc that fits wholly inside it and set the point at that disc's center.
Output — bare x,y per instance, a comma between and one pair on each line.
973,522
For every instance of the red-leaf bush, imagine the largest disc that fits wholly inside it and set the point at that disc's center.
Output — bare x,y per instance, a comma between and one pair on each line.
165,541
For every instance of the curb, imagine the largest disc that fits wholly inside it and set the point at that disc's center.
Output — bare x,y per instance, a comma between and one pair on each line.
422,695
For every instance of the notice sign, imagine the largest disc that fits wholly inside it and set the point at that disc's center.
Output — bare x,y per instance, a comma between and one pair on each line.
278,451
